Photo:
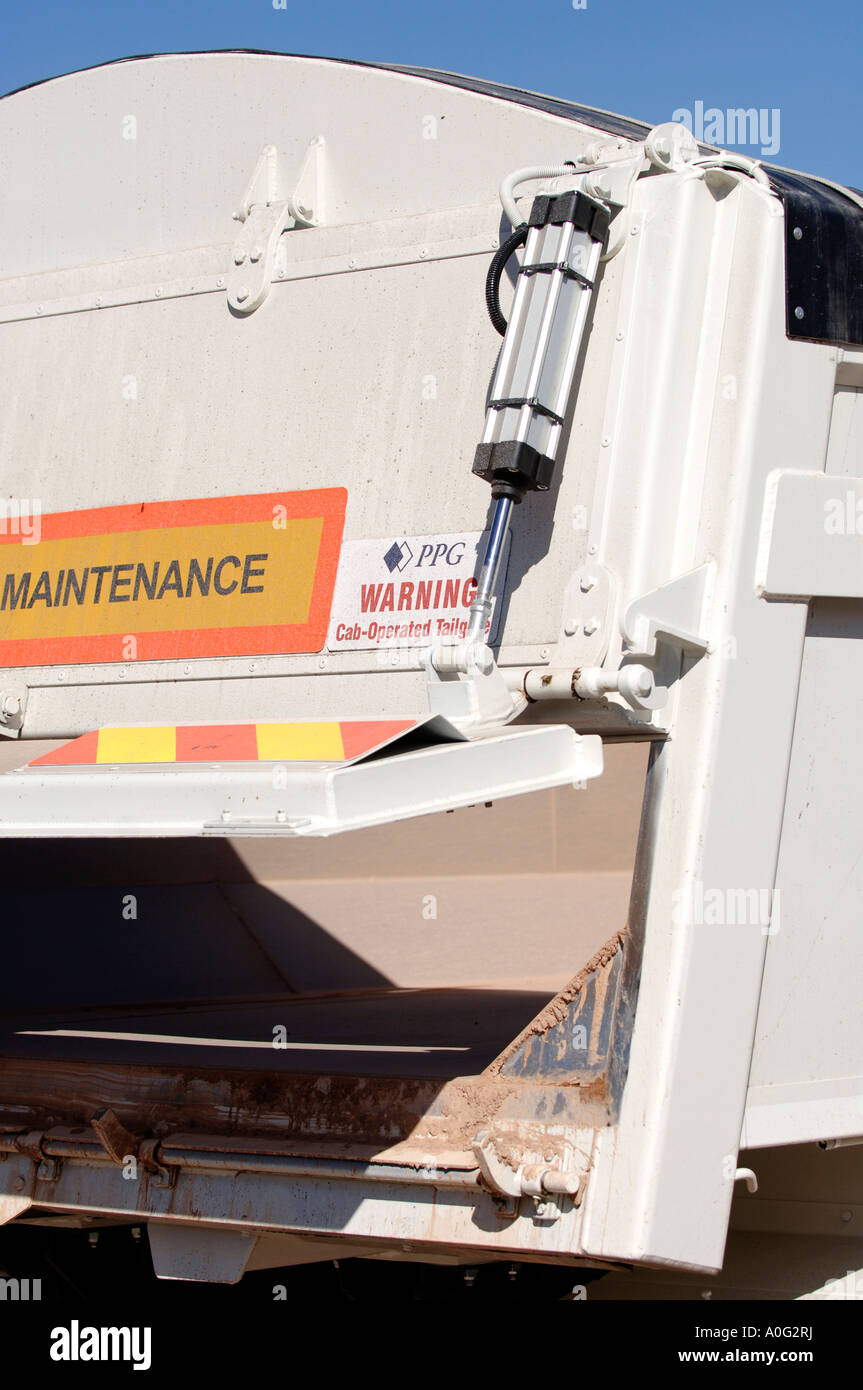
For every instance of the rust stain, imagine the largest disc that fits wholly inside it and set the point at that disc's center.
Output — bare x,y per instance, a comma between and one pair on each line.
557,1008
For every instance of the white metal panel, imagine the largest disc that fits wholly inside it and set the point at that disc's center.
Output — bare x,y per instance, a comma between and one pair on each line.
807,1066
810,543
303,798
154,154
368,371
663,1178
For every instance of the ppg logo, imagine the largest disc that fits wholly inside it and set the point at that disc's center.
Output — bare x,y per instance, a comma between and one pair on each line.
430,554
399,556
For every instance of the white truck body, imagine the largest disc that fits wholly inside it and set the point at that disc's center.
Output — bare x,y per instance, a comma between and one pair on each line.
333,344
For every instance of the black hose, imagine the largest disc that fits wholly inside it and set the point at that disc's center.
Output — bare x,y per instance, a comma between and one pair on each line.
495,270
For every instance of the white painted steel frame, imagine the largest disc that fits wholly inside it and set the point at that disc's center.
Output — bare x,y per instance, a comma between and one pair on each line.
663,1177
291,798
704,397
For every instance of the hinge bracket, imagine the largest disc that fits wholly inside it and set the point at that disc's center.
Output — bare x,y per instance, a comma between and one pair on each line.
674,613
265,212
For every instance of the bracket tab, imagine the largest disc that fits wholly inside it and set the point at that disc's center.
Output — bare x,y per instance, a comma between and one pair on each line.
265,212
811,530
674,613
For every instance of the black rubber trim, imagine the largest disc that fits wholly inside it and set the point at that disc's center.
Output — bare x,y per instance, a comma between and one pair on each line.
823,261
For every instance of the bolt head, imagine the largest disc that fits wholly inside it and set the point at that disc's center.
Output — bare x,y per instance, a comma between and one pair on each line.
590,627
256,253
242,293
239,256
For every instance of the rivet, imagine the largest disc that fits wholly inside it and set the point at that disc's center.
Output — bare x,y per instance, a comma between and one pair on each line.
635,230
38,308
799,312
423,252
606,441
797,234
158,291
220,282
544,653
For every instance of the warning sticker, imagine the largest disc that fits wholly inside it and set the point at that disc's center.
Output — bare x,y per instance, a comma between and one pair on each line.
226,576
404,591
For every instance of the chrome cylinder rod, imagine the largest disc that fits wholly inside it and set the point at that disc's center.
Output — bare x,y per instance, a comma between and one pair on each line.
481,608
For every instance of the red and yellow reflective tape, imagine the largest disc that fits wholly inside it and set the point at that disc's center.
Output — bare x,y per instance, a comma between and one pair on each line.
318,741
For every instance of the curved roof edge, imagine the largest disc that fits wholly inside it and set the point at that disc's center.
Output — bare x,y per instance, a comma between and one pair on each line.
823,264
552,106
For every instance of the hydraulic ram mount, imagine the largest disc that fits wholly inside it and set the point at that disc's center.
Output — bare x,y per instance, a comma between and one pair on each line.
536,369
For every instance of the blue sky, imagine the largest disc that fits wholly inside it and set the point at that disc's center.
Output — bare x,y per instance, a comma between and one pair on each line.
642,58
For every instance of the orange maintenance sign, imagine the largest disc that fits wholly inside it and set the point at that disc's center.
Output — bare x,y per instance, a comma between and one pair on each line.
325,741
226,576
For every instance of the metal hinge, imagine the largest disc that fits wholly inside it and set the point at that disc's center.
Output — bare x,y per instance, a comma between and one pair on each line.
547,1186
121,1145
265,212
30,1144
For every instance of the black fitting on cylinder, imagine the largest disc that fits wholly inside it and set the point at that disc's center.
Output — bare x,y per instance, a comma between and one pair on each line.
513,468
